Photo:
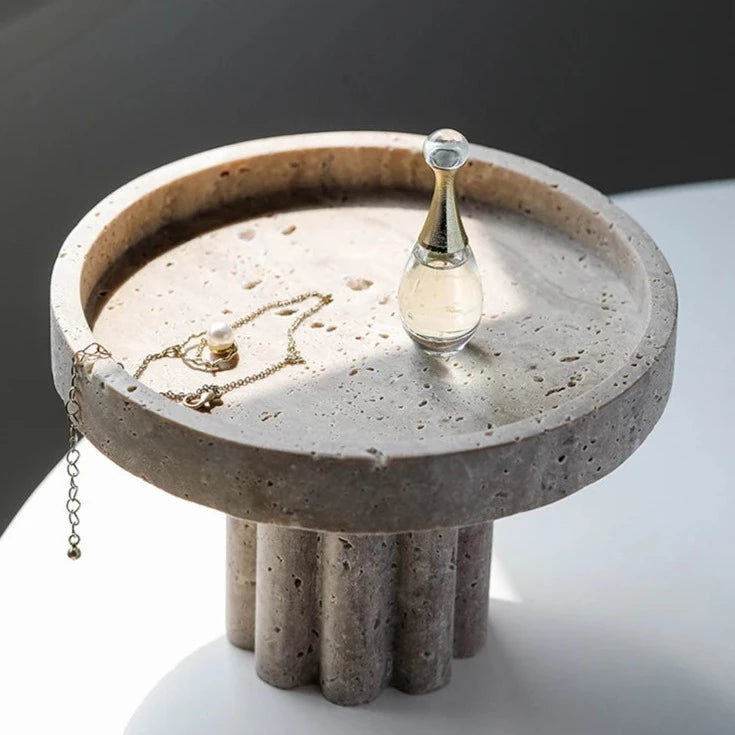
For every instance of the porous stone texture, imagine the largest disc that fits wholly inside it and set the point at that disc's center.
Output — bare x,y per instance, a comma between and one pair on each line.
568,372
285,613
356,610
472,592
427,570
357,613
337,461
240,607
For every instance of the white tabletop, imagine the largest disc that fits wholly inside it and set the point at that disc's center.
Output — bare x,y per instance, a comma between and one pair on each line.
612,611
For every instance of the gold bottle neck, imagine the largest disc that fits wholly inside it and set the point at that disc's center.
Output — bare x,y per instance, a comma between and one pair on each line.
443,231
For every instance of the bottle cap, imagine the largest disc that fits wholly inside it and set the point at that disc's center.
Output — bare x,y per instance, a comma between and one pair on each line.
446,149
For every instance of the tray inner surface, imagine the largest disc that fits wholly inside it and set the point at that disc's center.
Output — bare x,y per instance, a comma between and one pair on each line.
557,320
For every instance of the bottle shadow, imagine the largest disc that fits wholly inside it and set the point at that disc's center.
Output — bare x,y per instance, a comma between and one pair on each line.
542,671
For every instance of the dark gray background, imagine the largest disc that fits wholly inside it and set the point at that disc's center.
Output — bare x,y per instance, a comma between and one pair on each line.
624,94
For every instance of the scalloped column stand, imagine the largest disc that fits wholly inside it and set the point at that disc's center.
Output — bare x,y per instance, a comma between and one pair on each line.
357,613
566,376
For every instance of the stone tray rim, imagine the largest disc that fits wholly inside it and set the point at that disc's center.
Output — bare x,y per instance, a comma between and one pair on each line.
71,332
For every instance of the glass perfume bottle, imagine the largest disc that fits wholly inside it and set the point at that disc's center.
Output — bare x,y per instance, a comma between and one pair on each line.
440,296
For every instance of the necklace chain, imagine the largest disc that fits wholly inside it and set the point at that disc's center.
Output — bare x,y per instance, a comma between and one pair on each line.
207,395
204,398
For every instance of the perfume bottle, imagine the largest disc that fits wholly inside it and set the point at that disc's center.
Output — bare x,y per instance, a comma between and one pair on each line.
440,296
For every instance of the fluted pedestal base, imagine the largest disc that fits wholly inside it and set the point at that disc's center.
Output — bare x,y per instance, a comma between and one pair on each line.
357,613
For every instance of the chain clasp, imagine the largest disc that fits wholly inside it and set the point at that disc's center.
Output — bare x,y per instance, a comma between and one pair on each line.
202,401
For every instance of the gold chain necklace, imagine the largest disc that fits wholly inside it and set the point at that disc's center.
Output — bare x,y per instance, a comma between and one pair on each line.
206,397
190,352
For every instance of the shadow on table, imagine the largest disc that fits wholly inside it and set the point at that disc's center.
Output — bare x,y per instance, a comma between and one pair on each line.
541,672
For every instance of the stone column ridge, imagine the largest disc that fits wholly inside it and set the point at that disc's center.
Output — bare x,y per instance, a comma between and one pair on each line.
357,613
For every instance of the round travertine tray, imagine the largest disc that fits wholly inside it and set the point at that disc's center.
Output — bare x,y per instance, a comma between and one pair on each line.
568,372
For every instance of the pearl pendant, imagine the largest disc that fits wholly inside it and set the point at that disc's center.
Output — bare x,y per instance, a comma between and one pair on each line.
220,338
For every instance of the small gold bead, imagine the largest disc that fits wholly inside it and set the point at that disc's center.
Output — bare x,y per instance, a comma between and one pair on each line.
74,553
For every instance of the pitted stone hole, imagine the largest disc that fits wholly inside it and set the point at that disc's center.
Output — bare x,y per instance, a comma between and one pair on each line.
423,403
358,284
561,458
132,388
317,325
345,543
249,285
286,312
276,629
346,565
288,230
297,583
331,329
